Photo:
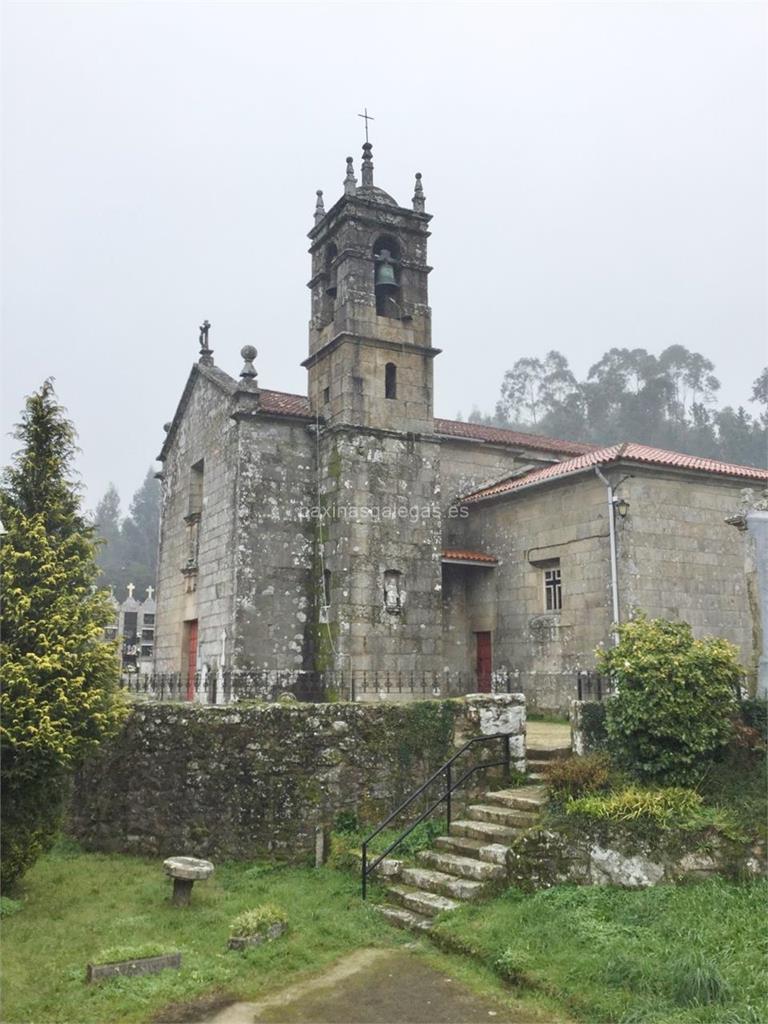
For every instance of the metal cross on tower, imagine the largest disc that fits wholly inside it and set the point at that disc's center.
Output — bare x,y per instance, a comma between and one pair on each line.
366,117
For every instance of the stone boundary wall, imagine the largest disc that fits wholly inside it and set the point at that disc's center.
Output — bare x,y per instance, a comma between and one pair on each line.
242,782
545,857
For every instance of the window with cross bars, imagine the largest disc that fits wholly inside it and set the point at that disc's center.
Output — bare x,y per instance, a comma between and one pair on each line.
553,590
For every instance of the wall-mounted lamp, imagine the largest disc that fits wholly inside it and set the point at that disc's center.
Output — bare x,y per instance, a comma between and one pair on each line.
622,506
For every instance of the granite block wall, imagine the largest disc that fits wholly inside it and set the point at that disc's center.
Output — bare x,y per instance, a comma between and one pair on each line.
244,782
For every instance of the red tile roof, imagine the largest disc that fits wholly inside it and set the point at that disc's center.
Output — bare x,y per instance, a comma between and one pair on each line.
458,555
499,435
282,404
627,452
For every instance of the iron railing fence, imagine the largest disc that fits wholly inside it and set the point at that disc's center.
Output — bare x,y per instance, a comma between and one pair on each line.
437,790
306,686
591,686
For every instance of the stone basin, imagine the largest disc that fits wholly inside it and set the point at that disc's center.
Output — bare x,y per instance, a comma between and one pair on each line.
185,871
190,868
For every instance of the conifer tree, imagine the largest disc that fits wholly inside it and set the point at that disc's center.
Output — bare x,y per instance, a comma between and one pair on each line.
59,694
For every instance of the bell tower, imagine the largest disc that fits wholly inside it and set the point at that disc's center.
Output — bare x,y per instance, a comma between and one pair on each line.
378,583
370,338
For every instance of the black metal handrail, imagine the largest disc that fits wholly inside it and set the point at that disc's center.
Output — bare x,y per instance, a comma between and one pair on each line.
451,785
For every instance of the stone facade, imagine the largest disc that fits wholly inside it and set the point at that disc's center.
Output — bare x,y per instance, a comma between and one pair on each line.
677,559
350,530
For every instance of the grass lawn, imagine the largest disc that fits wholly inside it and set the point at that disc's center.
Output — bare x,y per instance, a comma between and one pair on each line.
76,905
693,954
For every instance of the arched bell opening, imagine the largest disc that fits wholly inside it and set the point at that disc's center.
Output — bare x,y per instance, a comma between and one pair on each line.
330,270
328,284
386,276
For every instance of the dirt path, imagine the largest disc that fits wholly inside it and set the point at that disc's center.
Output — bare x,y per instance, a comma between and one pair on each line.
374,986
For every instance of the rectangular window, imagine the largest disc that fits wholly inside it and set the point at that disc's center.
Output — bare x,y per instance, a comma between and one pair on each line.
196,488
326,395
553,591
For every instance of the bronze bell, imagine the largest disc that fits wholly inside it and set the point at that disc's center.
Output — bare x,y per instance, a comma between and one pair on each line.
385,272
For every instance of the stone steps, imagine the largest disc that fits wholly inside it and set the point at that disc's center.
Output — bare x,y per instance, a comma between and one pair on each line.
465,867
524,798
539,759
547,753
442,884
508,816
402,918
465,863
461,845
429,904
488,831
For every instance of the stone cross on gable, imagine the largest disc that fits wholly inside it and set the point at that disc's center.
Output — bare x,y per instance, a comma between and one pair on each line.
150,592
130,588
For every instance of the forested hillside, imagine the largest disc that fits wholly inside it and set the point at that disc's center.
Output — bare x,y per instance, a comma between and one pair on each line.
669,401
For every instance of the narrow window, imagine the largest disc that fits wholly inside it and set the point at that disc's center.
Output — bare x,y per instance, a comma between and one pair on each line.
330,270
196,488
192,518
390,381
327,587
553,591
326,396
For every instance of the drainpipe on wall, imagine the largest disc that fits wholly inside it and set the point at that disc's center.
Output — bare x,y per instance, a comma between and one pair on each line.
612,541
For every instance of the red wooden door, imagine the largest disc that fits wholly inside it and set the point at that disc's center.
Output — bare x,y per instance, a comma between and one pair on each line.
484,663
191,657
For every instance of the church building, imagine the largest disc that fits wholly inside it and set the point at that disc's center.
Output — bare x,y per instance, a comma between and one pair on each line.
351,530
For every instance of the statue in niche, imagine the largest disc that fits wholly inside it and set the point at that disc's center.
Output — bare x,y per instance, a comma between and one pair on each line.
394,595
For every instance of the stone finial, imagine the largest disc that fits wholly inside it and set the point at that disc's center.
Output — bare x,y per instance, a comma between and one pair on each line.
319,207
367,164
418,194
206,352
248,372
350,182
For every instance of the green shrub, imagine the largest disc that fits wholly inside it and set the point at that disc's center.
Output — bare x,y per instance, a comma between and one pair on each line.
33,806
675,699
593,726
571,777
344,853
346,822
754,712
513,964
8,907
664,807
257,920
346,843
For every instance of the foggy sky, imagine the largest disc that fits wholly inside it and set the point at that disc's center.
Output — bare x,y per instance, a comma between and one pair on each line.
596,174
